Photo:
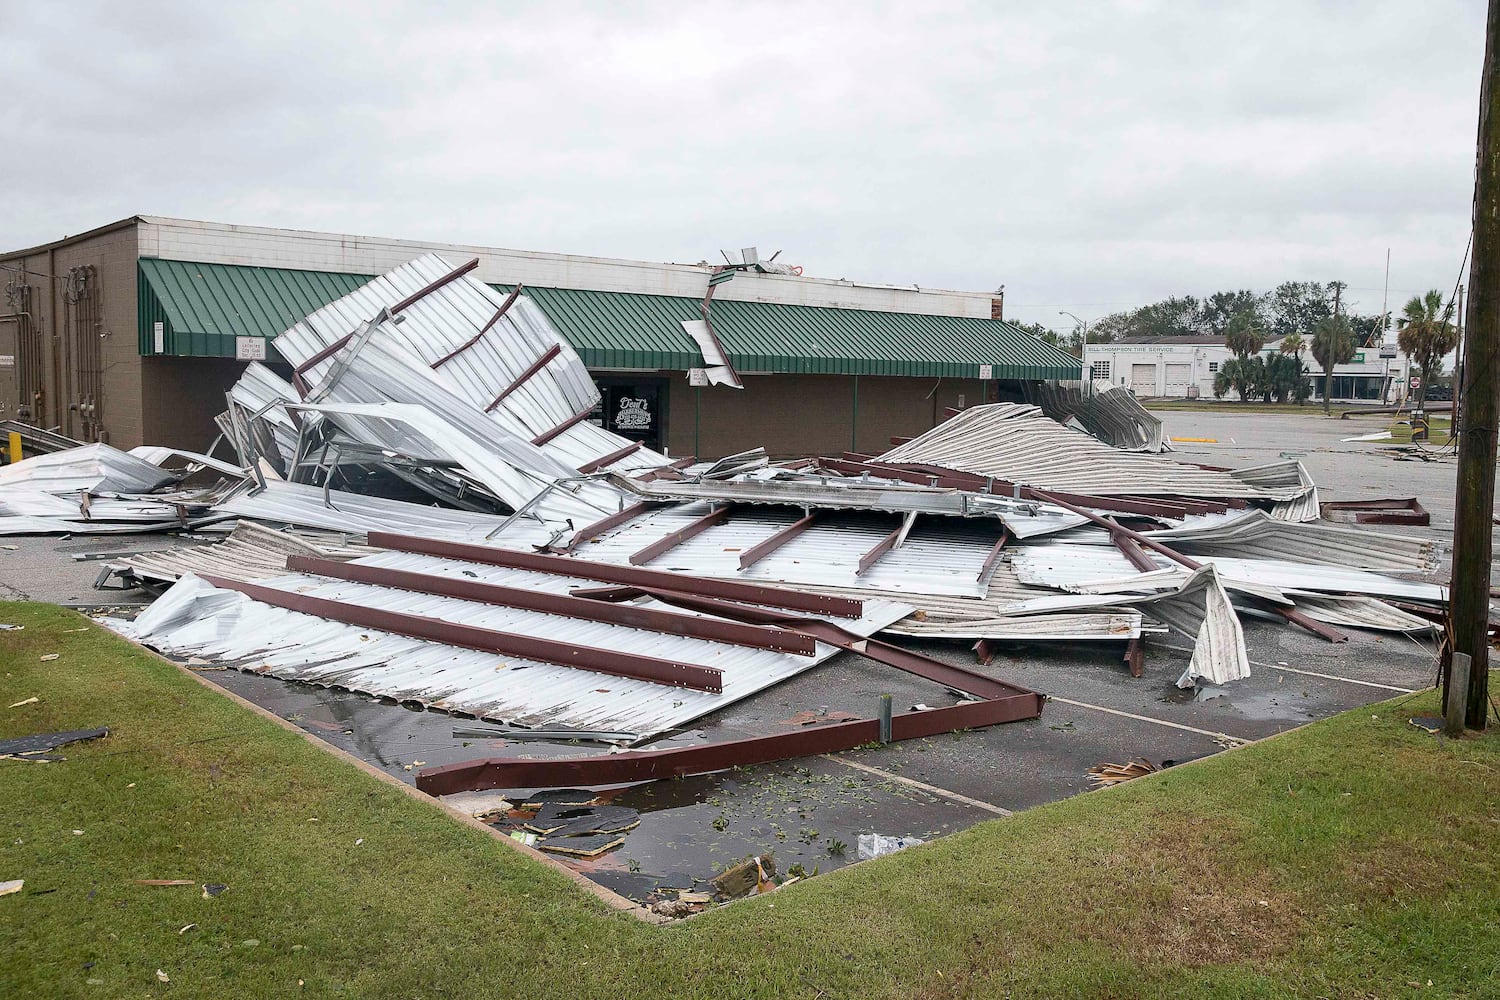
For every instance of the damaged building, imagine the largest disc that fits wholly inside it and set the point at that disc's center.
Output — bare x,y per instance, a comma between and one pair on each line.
131,333
416,504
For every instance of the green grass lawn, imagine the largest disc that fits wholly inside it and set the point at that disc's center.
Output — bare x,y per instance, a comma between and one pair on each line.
1356,857
1438,431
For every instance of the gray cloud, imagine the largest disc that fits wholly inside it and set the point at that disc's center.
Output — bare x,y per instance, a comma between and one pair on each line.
1086,156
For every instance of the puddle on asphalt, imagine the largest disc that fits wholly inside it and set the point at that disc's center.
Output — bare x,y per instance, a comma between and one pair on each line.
807,813
1287,705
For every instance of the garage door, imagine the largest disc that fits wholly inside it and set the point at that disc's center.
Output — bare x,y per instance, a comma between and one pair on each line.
1143,379
1179,377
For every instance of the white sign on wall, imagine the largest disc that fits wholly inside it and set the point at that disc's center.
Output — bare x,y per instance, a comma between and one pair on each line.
697,376
249,348
986,371
7,360
159,337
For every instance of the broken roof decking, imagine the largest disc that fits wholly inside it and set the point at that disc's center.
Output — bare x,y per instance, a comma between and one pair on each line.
203,307
1016,442
194,617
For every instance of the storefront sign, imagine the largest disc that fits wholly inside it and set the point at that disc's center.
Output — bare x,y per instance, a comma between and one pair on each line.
697,376
632,415
250,348
986,371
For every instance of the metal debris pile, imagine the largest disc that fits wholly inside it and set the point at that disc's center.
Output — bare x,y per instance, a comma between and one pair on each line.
428,510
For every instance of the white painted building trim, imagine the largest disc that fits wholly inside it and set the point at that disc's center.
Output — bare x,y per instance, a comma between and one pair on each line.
218,243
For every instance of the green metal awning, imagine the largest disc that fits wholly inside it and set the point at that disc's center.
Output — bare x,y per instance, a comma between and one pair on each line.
203,307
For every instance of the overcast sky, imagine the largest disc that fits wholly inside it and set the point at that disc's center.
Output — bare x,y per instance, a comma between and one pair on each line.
1089,157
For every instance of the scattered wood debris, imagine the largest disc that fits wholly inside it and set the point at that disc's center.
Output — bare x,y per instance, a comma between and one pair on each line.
1106,774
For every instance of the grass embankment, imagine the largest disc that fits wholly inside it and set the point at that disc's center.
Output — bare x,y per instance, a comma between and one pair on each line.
1353,858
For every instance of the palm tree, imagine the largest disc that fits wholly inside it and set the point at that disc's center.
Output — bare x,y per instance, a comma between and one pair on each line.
1426,335
1332,344
1292,346
1243,336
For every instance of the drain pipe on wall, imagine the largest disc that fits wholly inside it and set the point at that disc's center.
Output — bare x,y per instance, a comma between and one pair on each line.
854,419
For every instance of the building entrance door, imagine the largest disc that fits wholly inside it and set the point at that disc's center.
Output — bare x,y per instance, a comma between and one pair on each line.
634,408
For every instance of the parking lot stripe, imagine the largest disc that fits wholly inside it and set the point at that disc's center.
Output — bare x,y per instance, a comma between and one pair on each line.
930,789
1147,718
1335,677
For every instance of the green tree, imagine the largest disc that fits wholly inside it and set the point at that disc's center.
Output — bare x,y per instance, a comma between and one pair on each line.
1426,335
1297,306
1332,344
1243,336
1215,312
1282,377
1239,374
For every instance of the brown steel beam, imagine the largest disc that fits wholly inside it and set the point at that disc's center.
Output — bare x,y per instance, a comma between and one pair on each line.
1002,703
927,475
1130,550
432,286
776,540
576,418
692,529
877,552
1290,614
1407,511
605,460
1135,656
520,379
670,622
994,556
732,590
647,765
605,661
510,300
619,517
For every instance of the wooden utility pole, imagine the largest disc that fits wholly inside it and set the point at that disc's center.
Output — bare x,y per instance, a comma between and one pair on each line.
1475,508
1338,291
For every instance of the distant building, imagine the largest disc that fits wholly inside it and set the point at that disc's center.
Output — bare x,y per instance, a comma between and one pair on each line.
1184,368
132,332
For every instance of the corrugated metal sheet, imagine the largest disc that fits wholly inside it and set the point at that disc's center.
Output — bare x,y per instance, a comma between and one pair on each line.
1111,413
205,306
1016,442
394,363
195,618
1253,534
93,467
935,559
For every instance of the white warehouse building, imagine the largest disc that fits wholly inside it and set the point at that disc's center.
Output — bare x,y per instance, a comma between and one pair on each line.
1184,368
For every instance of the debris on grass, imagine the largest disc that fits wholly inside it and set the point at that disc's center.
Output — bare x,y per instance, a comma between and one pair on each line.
29,701
163,977
212,889
31,747
48,657
874,845
1107,774
747,876
165,881
184,929
14,885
